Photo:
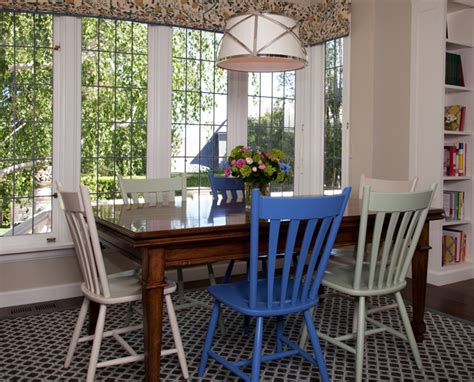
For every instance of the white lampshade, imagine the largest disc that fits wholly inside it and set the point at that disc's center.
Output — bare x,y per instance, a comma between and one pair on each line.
261,42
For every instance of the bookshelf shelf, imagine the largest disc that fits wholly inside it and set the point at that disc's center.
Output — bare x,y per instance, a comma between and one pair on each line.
456,45
456,89
449,223
456,178
458,133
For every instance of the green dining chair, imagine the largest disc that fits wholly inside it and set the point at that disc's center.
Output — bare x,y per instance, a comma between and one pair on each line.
399,220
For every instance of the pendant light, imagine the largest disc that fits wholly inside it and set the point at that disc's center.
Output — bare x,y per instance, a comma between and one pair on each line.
261,42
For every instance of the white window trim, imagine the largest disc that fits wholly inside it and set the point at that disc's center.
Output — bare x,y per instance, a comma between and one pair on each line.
346,131
309,132
160,71
66,134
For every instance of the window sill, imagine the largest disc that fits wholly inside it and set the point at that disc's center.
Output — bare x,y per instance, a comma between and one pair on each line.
18,250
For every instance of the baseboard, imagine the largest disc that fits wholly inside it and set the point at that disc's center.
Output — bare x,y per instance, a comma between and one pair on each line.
33,295
59,292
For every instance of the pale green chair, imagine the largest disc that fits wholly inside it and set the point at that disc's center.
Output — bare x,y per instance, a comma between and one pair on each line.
399,220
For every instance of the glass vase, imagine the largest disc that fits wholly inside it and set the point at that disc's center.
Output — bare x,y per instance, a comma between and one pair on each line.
264,190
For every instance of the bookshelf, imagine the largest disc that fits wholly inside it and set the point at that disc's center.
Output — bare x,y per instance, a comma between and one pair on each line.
443,29
457,233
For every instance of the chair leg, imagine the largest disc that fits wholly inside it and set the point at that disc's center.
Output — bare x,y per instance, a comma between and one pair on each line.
408,330
99,329
304,331
279,333
77,332
210,335
212,281
257,351
360,340
355,315
176,336
228,272
316,346
179,274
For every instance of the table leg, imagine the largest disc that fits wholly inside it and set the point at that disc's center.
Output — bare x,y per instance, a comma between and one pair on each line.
419,273
93,314
153,283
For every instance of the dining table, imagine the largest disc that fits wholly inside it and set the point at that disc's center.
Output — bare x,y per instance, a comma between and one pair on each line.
201,230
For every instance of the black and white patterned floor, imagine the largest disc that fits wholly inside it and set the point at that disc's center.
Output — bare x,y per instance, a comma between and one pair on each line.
33,348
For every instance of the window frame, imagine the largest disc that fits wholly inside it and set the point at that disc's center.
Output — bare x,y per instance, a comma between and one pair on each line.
67,121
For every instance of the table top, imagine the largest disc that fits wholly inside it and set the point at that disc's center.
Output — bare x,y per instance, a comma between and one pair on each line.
197,213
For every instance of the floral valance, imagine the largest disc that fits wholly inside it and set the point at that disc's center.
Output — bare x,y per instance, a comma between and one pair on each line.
321,20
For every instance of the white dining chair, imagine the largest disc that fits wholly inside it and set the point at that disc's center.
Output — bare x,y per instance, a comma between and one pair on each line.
106,291
162,190
345,257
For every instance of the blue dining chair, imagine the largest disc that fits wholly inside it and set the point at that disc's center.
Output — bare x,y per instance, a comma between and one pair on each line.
313,221
221,185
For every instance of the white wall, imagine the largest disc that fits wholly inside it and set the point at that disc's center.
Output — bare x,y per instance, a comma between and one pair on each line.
379,89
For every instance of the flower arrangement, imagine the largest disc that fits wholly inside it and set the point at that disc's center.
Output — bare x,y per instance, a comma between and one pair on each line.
256,167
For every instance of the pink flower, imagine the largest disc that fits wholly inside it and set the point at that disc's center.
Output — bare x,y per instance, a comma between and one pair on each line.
262,166
226,171
254,169
233,162
241,163
249,160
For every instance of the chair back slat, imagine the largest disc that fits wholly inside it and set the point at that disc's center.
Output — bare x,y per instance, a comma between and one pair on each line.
154,191
224,185
397,247
302,256
313,260
77,208
271,258
387,246
376,238
300,217
389,259
288,259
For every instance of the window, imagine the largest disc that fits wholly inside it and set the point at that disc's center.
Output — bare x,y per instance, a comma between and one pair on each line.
333,114
26,85
114,104
271,116
199,106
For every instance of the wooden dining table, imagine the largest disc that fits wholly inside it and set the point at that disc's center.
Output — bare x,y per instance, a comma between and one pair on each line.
201,231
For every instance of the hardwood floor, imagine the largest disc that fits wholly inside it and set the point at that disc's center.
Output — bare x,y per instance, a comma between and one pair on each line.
454,299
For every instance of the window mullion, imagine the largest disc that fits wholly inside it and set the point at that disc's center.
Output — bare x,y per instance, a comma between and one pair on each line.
67,111
238,109
159,101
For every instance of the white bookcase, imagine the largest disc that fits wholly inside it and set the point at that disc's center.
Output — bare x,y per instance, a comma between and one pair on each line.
429,96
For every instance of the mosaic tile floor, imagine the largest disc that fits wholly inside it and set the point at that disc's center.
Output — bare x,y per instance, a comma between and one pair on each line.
33,348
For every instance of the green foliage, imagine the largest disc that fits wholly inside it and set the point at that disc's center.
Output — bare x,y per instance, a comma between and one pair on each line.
25,109
333,115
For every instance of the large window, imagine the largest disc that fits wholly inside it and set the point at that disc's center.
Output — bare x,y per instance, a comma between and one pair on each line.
26,86
114,104
271,116
333,78
199,106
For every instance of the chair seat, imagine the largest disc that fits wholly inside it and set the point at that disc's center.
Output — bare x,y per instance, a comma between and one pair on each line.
342,279
235,295
118,264
124,289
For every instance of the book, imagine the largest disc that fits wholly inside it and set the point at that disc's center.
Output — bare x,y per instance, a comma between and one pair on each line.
449,248
463,118
455,240
452,118
453,70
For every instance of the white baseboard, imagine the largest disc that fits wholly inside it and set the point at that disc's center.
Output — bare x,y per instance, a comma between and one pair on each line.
33,295
59,292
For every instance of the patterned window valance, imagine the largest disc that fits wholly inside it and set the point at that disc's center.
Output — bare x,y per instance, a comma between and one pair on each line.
321,20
